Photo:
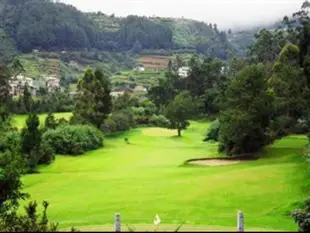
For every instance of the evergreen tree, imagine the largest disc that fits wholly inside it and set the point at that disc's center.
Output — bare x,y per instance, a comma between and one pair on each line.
94,102
247,111
50,121
4,93
27,99
31,141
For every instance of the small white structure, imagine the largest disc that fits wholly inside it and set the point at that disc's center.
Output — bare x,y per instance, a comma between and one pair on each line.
18,83
184,71
117,94
52,83
139,68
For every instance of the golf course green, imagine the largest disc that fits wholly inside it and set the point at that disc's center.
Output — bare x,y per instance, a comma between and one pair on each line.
148,177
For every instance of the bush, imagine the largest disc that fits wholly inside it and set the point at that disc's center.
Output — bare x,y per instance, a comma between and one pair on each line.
10,140
119,121
46,154
140,116
73,139
29,222
62,121
213,131
159,121
109,126
282,126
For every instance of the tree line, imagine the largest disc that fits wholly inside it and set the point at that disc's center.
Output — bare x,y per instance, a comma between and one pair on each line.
49,26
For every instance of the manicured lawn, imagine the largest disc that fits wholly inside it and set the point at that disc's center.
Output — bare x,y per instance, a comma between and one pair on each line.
147,177
20,120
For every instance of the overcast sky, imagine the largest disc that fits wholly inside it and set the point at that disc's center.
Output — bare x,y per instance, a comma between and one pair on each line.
226,13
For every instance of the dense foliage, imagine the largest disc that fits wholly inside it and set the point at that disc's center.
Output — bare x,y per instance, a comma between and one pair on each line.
45,102
179,111
213,131
73,139
93,101
243,126
46,25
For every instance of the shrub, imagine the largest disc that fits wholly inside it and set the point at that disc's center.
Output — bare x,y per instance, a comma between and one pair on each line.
73,139
140,116
109,126
62,121
10,140
282,125
46,154
119,121
302,217
213,131
29,222
50,121
159,121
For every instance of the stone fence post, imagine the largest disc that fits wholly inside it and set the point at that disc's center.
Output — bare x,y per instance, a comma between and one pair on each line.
117,222
240,222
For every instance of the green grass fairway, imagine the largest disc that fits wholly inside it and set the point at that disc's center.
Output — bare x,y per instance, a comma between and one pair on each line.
147,177
19,121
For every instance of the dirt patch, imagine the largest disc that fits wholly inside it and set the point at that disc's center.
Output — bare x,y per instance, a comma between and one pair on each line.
215,162
158,132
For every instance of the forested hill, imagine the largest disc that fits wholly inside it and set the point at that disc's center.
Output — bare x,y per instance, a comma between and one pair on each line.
50,26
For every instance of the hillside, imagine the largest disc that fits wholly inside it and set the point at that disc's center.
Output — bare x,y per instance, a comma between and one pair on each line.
70,65
49,26
241,39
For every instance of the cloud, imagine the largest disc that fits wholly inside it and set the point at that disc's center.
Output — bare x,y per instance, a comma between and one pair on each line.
226,13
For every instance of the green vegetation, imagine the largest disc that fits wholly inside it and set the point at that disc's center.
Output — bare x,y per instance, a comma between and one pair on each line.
58,27
70,65
259,101
73,139
19,121
179,111
131,79
146,177
93,100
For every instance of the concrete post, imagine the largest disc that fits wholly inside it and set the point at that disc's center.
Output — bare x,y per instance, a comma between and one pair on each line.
240,222
117,223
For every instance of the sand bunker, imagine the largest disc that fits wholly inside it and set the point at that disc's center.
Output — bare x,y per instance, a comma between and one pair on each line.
215,162
159,132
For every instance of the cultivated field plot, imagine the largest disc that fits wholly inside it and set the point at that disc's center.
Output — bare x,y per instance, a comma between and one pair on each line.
154,62
147,177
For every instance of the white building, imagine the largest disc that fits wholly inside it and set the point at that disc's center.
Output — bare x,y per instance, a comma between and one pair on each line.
52,83
117,94
184,71
18,83
139,68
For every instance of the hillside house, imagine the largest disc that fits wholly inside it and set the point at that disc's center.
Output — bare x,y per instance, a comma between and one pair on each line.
17,85
139,68
117,94
52,83
184,71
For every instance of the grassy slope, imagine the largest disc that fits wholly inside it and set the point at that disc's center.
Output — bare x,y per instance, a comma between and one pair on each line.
147,177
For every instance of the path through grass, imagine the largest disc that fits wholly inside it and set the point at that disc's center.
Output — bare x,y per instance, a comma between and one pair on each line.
147,177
